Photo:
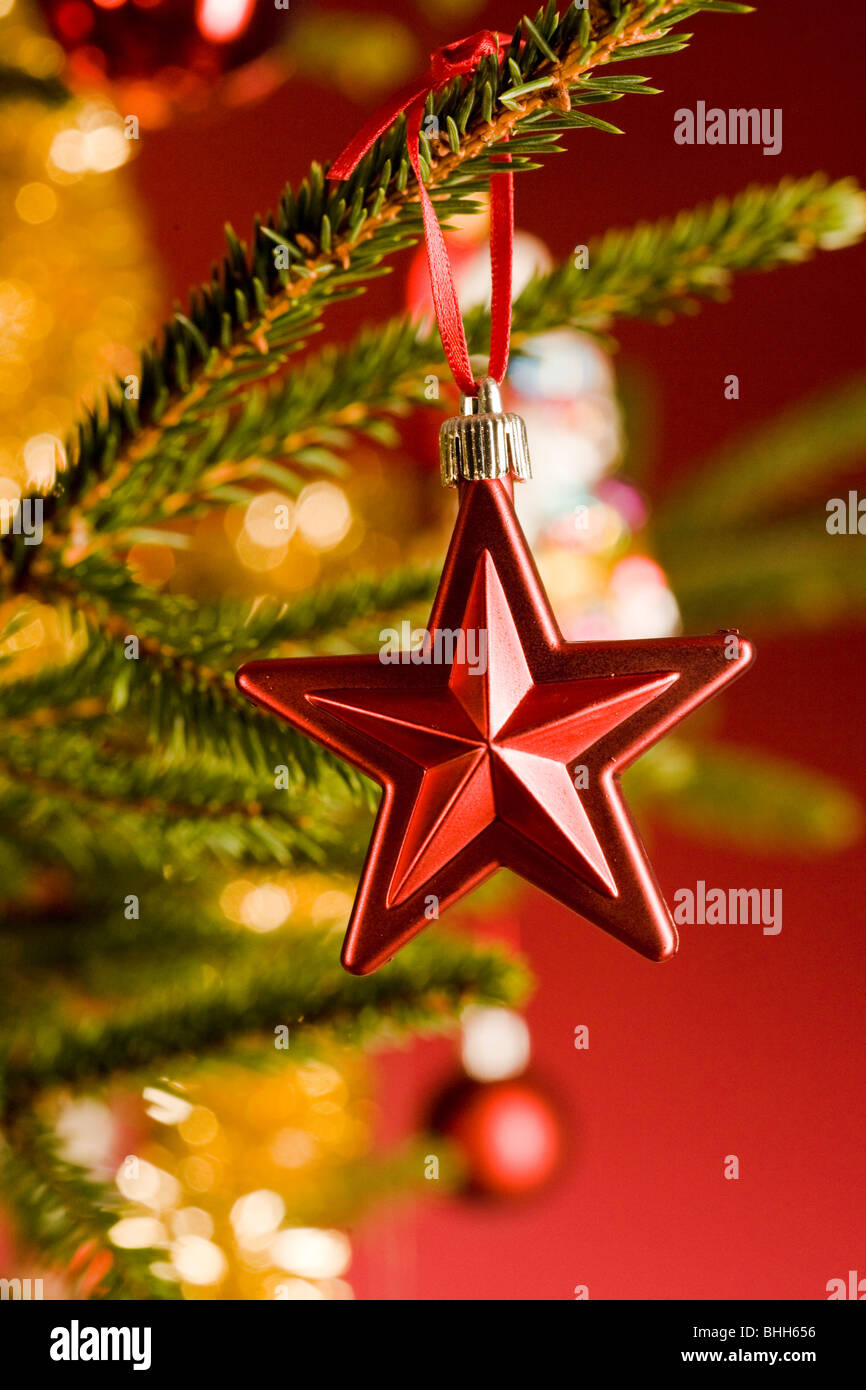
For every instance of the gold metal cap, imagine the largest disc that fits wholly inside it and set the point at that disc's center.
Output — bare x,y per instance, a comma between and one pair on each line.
483,441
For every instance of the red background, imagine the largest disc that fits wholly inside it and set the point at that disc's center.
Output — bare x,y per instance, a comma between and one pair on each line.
743,1044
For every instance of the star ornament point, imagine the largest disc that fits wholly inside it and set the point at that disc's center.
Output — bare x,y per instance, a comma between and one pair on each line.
500,746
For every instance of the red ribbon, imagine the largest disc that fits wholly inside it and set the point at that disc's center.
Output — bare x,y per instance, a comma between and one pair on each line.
454,60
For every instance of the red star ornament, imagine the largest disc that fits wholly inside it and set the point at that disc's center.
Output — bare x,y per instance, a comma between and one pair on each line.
505,754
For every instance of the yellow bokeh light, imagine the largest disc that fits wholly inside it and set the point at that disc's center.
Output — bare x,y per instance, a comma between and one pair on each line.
107,148
332,906
151,564
294,1148
36,203
260,557
44,458
257,1215
232,897
198,1261
298,1291
192,1221
143,1182
69,151
266,907
312,1253
164,1107
324,515
41,55
137,1233
269,520
201,1174
10,490
200,1126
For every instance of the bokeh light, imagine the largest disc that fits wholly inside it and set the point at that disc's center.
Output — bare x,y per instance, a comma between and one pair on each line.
495,1043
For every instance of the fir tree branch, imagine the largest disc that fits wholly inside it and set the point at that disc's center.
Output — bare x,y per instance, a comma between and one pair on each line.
17,84
306,423
422,990
86,805
185,690
226,630
744,798
788,572
811,443
90,920
241,326
59,1210
655,270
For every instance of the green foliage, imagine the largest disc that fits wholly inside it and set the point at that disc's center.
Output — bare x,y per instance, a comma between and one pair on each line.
242,326
58,1209
303,424
150,776
88,804
17,84
748,532
296,983
750,799
781,463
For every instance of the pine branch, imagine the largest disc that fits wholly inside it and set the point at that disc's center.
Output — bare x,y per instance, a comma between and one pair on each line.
744,798
84,804
241,326
226,630
188,710
658,269
60,1212
90,921
788,572
185,690
57,963
787,459
306,423
17,84
422,990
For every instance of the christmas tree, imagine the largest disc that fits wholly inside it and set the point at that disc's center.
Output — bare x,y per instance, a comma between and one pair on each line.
177,868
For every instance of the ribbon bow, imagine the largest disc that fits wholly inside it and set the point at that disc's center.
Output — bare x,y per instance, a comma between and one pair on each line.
456,59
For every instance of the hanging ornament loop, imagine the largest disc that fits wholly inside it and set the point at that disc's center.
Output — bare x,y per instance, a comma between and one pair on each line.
458,59
483,441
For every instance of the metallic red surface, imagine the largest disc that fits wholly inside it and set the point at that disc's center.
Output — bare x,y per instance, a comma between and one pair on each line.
511,762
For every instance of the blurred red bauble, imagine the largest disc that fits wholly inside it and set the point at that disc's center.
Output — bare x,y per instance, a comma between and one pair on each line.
507,1132
158,55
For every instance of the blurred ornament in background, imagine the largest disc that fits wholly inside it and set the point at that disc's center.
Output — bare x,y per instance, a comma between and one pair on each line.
507,1134
161,55
161,58
505,1129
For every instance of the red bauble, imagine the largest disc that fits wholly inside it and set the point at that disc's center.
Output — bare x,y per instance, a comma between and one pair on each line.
506,1132
177,50
507,762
